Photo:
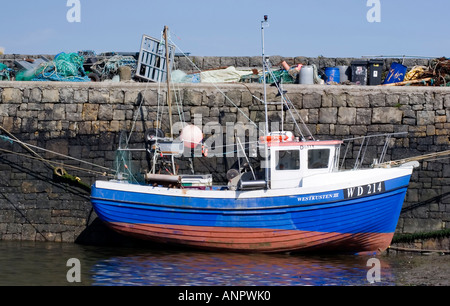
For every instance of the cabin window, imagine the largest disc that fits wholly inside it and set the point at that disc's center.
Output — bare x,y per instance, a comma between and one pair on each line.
287,160
318,159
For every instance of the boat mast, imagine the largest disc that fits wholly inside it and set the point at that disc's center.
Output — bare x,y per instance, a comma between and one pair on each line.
169,99
264,23
266,149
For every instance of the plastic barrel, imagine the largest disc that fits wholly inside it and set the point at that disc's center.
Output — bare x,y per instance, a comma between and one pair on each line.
396,74
306,75
344,73
333,74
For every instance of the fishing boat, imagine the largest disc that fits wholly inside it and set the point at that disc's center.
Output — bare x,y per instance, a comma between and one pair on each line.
300,199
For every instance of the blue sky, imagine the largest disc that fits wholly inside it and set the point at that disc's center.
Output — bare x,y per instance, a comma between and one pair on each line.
332,28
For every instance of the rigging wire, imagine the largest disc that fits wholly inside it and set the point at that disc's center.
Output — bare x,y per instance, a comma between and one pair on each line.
56,153
217,88
290,106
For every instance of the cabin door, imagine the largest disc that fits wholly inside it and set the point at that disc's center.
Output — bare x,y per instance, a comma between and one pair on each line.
285,168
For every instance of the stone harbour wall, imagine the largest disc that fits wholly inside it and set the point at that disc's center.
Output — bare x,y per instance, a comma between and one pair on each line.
78,126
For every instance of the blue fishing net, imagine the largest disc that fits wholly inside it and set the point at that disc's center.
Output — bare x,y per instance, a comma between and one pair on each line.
66,67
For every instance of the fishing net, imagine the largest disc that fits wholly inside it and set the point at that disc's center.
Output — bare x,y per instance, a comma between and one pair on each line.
67,67
123,163
107,68
280,76
4,72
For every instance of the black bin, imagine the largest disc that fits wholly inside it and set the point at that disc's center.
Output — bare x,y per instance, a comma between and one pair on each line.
375,70
359,72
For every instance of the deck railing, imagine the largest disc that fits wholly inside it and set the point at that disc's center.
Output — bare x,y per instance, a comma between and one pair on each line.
364,143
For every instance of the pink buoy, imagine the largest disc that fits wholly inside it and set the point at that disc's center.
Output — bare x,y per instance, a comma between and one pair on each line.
191,135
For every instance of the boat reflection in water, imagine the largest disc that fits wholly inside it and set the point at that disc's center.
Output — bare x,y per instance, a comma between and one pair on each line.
233,269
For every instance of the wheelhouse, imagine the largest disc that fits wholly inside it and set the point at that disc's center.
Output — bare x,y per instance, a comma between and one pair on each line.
291,161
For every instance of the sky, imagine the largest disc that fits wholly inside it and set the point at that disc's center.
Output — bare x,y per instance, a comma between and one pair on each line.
330,28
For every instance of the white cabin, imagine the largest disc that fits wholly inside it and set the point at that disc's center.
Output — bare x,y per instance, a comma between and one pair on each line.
291,161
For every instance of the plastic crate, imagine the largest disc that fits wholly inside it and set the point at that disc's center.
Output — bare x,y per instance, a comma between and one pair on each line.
152,62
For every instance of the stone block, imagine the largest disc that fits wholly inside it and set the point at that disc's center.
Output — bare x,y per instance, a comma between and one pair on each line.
132,97
81,96
377,100
50,95
119,114
347,115
425,117
74,112
313,115
151,97
340,100
442,140
211,62
342,130
447,101
227,61
59,112
416,99
12,95
312,100
98,96
105,112
66,95
192,97
203,111
35,95
363,116
358,99
387,115
90,112
243,62
323,129
328,115
358,130
117,96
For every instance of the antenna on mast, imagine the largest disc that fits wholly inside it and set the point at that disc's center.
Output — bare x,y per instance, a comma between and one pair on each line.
264,23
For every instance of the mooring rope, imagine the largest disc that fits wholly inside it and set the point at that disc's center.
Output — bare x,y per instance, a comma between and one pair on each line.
418,250
59,170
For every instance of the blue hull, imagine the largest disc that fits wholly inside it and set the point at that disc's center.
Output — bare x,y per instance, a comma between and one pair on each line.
339,213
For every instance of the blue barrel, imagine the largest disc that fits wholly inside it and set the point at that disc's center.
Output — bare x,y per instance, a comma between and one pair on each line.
396,74
333,74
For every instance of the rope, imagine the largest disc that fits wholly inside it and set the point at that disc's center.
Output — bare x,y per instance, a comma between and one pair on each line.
418,250
289,104
58,171
23,215
217,88
57,163
26,146
59,154
416,158
429,201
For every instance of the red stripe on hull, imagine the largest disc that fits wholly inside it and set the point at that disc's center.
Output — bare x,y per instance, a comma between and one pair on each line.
255,239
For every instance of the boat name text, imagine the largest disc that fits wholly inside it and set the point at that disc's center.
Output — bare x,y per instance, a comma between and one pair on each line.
364,190
315,197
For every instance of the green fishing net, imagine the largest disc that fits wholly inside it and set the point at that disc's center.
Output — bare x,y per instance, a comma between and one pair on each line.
65,67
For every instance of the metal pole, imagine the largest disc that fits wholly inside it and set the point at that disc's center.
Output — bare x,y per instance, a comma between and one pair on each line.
169,98
266,149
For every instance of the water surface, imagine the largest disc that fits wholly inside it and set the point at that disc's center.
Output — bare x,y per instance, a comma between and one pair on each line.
45,264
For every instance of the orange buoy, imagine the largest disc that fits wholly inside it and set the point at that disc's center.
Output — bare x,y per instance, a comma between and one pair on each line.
288,136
